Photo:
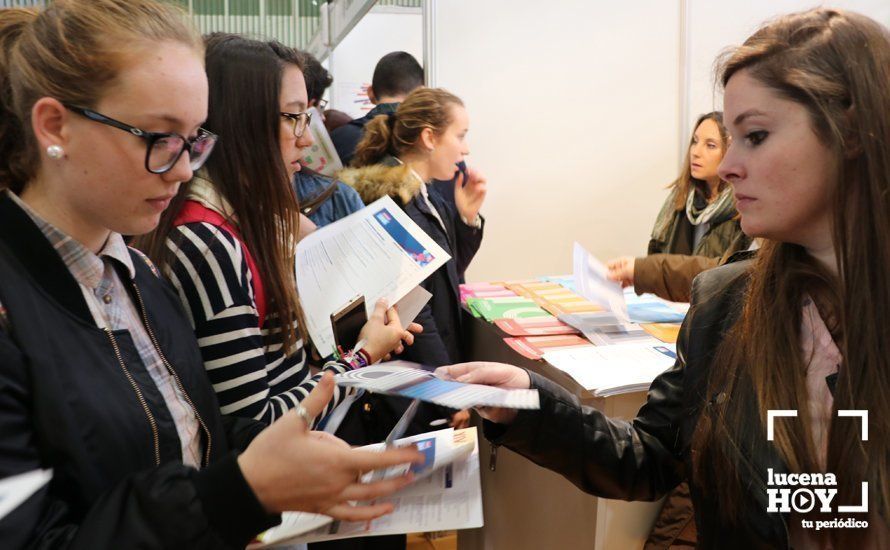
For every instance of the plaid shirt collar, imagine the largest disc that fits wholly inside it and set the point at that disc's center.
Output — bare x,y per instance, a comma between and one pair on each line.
86,267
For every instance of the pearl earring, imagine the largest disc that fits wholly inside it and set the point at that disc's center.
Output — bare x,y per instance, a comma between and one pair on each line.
55,152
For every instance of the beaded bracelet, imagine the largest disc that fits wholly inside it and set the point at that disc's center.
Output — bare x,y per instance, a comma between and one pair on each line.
356,358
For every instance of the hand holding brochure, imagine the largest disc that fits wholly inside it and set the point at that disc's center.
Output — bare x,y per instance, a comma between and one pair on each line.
404,379
593,283
445,495
377,252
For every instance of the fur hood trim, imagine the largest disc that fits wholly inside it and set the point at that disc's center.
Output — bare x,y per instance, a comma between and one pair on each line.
378,180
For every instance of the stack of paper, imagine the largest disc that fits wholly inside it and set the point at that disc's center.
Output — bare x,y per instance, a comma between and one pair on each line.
612,370
534,347
534,326
484,290
567,281
553,297
649,308
666,332
447,495
607,315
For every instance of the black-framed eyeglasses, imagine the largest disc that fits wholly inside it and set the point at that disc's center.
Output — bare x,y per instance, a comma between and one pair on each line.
163,149
299,122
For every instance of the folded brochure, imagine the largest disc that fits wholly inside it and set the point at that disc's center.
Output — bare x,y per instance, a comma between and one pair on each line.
408,380
445,495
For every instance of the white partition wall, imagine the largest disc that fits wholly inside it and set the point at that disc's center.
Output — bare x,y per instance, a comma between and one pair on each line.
352,62
574,119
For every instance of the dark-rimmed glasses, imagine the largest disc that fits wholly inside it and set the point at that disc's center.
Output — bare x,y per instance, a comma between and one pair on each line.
299,122
163,149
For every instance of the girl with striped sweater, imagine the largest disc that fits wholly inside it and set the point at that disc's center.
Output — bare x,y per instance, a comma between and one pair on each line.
227,241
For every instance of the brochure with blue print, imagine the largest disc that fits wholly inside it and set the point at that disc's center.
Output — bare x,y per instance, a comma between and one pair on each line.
408,380
445,495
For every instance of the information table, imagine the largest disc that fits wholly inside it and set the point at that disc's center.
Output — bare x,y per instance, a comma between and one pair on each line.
527,507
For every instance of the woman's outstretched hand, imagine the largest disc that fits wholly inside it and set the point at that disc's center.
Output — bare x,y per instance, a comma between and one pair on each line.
499,375
621,270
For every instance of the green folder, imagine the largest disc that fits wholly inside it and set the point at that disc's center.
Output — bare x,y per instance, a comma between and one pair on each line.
505,308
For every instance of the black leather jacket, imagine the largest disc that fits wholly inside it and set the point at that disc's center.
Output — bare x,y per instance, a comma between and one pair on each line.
644,458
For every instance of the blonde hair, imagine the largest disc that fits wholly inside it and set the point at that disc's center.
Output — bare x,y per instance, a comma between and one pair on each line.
400,132
73,51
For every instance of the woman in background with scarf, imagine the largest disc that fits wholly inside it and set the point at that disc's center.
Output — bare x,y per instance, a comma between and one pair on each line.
697,226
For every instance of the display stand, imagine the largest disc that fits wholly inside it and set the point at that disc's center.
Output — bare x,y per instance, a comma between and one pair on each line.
529,507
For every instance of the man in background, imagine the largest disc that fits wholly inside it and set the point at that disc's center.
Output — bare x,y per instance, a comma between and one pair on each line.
396,75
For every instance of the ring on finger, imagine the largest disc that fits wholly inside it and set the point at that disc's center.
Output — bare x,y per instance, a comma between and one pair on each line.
304,414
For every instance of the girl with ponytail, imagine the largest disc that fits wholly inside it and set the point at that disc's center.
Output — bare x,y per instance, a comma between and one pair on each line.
398,156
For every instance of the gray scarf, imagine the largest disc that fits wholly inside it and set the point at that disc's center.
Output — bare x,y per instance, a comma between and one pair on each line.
722,209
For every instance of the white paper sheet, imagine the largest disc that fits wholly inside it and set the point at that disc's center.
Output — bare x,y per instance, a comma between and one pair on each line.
592,282
612,370
377,252
448,497
411,304
16,489
404,379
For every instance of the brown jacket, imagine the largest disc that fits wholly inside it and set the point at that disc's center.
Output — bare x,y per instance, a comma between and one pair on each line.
670,276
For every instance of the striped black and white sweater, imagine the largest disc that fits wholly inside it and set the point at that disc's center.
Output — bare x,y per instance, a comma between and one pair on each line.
246,365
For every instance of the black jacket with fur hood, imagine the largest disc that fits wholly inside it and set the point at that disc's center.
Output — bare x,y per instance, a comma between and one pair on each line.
440,342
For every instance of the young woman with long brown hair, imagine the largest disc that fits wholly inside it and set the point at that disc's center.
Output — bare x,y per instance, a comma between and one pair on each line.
697,226
803,327
102,104
228,240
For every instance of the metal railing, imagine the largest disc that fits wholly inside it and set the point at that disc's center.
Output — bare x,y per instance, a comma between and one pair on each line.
292,22
401,3
288,21
22,3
